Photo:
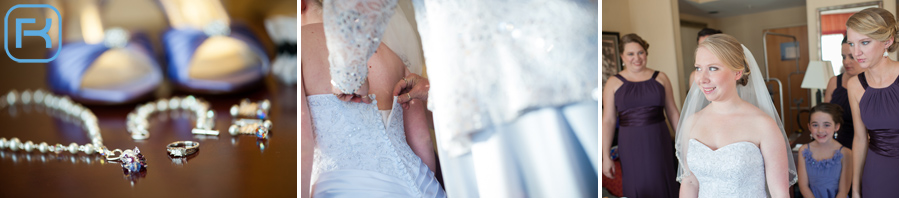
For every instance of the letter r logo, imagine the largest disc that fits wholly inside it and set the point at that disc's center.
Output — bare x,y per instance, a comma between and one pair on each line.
43,33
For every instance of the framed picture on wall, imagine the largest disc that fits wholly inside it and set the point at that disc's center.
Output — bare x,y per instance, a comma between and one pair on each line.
789,51
612,63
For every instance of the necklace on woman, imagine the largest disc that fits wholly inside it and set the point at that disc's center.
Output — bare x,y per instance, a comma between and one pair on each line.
132,160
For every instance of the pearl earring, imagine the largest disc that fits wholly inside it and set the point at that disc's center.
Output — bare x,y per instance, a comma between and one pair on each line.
835,135
885,53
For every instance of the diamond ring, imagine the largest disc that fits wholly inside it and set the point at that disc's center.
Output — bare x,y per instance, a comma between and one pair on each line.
182,148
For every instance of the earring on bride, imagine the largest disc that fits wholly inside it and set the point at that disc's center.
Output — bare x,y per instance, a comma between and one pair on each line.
835,135
885,53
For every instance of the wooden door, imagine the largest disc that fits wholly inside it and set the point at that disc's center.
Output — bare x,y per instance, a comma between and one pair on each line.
790,74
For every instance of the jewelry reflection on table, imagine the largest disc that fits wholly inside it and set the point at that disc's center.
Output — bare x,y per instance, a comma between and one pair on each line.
43,158
132,176
261,143
251,119
182,160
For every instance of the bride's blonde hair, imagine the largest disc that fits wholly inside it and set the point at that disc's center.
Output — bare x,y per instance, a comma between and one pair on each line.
876,23
729,51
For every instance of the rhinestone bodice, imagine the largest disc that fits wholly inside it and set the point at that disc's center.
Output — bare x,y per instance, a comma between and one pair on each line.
734,170
352,136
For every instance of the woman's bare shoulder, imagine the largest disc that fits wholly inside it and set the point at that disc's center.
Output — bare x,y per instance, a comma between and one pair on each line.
846,151
760,120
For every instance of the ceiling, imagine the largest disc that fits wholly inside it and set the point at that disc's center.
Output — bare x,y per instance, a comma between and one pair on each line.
729,8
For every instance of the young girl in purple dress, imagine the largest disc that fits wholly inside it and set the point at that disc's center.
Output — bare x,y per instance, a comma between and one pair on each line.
825,171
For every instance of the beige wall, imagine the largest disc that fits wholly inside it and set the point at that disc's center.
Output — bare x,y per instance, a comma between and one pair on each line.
657,23
689,45
748,28
616,16
812,10
710,22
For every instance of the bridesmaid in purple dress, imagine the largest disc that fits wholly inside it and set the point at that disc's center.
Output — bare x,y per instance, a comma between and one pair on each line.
836,93
873,101
641,99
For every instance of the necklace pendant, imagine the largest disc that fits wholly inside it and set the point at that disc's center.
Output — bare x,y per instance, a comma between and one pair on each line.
132,160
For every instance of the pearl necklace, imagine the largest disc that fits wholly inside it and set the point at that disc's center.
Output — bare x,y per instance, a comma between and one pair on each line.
132,160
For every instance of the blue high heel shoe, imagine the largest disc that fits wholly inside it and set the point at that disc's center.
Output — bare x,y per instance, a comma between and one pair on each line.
206,53
187,73
120,70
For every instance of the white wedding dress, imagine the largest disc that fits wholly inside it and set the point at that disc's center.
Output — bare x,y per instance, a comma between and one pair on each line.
734,170
358,154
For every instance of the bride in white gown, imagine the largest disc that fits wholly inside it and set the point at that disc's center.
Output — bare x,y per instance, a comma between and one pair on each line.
731,143
354,149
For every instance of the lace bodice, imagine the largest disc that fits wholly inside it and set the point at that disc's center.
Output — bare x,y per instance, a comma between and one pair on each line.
352,136
353,30
490,61
734,170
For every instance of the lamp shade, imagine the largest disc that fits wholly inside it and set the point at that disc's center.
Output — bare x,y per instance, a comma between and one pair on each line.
817,75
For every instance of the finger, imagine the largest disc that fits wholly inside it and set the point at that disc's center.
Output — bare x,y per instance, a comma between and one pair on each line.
367,99
612,170
405,106
404,98
343,97
398,87
606,173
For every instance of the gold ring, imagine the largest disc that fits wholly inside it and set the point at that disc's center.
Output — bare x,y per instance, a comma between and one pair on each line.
407,96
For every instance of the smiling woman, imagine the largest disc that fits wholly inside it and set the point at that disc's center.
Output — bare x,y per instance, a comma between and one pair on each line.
731,130
640,99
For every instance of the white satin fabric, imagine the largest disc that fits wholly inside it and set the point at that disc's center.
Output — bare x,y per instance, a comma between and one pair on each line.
547,152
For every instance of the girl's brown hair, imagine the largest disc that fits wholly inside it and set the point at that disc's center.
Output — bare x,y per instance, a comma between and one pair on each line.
834,110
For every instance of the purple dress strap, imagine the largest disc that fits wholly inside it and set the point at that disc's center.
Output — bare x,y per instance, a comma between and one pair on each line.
621,78
862,80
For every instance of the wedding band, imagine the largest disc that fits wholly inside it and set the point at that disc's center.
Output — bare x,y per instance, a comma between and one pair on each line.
182,148
406,82
407,95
